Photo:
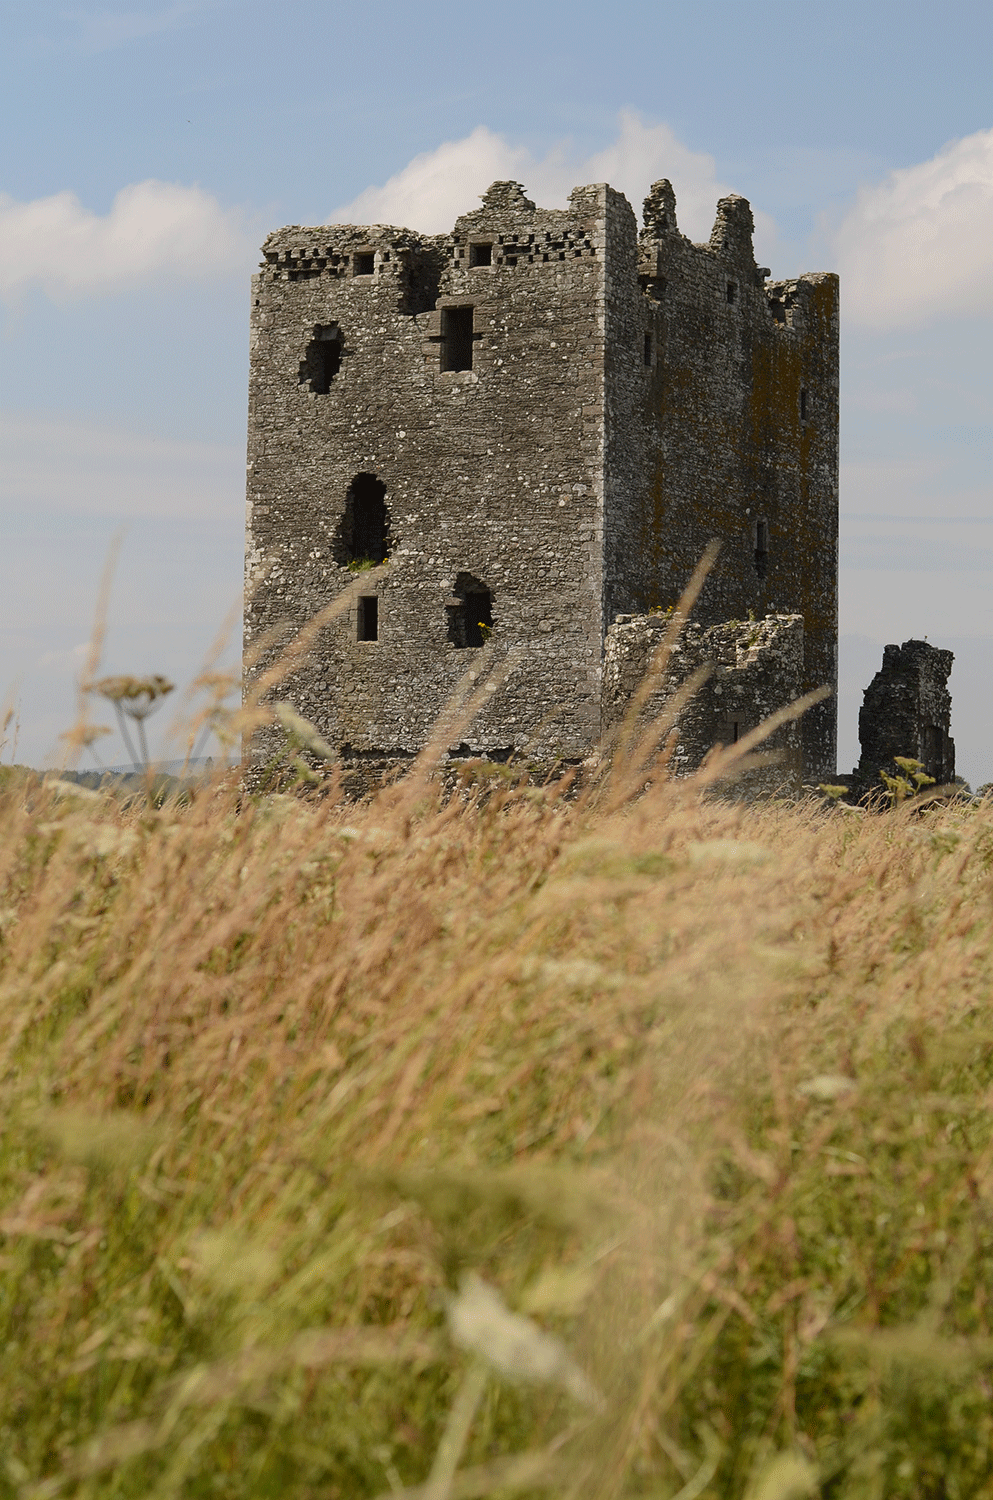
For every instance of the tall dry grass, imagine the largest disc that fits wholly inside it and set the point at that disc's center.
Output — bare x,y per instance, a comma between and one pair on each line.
503,1144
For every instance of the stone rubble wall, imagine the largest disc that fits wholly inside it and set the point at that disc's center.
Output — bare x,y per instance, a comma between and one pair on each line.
906,711
495,472
755,668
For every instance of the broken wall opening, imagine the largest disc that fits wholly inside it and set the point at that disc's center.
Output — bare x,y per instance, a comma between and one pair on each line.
363,533
322,360
470,612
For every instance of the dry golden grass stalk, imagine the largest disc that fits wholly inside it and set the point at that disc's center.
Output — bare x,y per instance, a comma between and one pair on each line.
699,1092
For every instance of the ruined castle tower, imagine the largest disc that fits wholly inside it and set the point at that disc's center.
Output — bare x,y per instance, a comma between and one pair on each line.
906,710
538,422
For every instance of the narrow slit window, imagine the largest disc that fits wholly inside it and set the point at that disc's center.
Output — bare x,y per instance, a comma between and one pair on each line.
480,255
734,732
648,349
803,406
456,338
732,292
368,618
761,548
364,264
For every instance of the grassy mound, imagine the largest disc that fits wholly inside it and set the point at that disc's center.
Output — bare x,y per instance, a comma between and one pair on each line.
509,1146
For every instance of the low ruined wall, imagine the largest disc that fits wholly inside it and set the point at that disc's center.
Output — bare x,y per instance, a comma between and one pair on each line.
755,667
907,711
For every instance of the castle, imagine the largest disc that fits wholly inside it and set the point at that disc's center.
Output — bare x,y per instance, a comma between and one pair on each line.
537,423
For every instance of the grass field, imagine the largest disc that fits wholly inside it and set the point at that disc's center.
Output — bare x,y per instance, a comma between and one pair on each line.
514,1144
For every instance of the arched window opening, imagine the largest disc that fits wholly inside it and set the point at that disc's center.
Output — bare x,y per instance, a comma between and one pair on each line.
470,612
363,532
322,360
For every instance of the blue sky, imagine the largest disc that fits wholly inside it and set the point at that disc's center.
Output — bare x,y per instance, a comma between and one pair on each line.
152,146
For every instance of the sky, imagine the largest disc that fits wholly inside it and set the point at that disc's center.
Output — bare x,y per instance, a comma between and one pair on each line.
151,147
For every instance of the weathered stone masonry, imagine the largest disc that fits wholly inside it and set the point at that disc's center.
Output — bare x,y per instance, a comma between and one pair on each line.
751,669
541,420
906,711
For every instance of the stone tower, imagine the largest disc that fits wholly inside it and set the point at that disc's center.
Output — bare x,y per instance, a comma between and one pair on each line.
538,421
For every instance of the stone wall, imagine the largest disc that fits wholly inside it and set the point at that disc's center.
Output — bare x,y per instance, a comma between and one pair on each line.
753,668
738,439
547,418
907,711
492,474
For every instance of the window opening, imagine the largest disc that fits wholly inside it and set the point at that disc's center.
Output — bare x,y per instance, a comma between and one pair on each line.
364,264
362,537
480,255
803,406
648,348
732,291
734,732
470,612
368,618
456,338
761,548
322,361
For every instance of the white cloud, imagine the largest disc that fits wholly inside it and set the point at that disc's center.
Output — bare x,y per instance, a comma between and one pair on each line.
433,189
153,229
70,467
101,30
918,246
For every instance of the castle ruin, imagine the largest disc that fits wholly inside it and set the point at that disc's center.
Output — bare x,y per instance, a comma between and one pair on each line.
536,424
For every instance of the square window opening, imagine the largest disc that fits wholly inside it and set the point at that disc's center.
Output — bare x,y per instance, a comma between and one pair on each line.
480,255
456,338
363,264
368,618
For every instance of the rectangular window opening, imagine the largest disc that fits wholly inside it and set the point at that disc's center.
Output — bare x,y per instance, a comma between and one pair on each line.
456,338
363,264
803,406
734,732
648,349
368,618
732,291
480,255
